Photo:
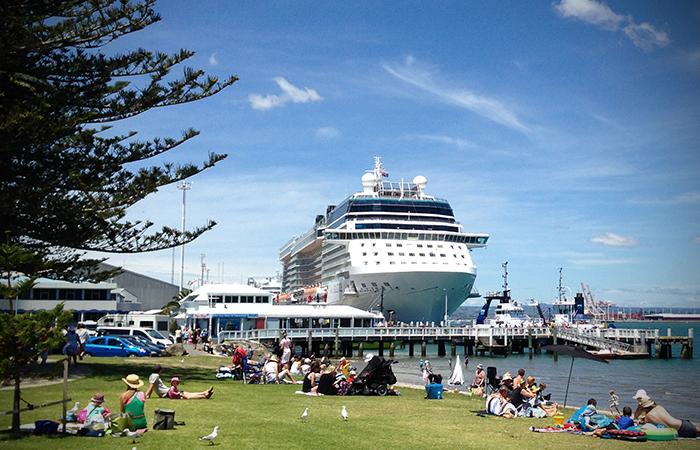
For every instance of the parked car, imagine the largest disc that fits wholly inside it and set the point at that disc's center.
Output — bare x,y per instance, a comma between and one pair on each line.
148,333
156,349
114,346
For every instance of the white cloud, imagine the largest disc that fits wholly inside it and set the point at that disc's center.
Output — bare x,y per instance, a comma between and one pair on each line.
591,12
643,35
290,94
460,143
696,240
212,60
484,106
327,133
615,240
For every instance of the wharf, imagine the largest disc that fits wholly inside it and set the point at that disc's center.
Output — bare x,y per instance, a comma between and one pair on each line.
342,341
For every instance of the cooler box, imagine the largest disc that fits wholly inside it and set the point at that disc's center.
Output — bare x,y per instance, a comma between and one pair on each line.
434,391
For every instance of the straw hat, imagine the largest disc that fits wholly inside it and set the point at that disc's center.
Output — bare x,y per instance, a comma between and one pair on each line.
273,358
133,381
507,376
329,369
98,398
646,402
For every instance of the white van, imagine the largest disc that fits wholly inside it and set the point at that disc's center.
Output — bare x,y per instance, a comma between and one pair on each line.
148,333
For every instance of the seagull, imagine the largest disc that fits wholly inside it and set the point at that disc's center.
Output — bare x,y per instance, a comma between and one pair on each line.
344,413
210,437
305,414
183,360
132,434
74,409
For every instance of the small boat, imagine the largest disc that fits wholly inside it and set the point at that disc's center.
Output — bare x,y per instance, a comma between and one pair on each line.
610,354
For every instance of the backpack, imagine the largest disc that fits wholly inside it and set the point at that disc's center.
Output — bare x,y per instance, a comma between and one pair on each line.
164,419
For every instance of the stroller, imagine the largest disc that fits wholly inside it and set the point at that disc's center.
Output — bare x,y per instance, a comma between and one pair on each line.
374,378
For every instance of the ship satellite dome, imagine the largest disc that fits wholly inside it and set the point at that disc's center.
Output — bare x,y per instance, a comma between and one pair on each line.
368,182
420,181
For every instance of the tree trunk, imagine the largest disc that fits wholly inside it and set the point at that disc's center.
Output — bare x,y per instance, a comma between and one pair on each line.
15,416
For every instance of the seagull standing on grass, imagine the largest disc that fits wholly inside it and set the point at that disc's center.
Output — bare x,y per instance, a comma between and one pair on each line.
344,413
305,414
132,434
210,437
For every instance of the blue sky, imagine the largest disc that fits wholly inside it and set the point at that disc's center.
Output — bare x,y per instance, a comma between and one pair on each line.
568,131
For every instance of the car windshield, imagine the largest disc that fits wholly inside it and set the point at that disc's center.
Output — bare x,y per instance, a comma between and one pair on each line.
153,333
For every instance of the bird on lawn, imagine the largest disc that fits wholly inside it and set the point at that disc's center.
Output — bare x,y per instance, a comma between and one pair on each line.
210,437
305,414
132,434
344,413
74,409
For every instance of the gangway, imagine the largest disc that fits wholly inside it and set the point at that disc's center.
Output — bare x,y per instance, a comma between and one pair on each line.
584,338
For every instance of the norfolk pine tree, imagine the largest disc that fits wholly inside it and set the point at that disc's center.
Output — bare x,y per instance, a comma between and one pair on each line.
65,185
64,182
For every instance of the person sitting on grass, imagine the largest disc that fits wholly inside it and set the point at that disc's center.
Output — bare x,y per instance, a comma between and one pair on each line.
156,384
499,405
175,393
625,420
133,401
273,374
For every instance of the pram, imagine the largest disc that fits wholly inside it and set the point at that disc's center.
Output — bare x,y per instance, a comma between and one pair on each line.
374,378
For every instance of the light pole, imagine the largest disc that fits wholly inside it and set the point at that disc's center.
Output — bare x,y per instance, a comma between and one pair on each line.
184,186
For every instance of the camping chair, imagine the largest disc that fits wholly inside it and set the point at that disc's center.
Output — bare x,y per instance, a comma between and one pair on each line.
251,373
492,381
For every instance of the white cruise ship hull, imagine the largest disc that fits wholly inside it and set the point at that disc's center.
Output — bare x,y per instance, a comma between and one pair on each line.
413,296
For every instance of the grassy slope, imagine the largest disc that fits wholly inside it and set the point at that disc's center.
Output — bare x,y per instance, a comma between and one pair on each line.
267,416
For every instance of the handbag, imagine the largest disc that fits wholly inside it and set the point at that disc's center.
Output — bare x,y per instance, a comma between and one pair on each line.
122,421
164,419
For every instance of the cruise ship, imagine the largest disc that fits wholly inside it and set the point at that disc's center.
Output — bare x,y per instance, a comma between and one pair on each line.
389,248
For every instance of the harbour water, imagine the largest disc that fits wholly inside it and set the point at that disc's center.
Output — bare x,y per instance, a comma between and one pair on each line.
670,382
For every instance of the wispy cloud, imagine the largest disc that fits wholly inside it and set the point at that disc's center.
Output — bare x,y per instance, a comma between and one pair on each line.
695,240
460,143
327,133
683,198
644,35
290,94
487,107
212,60
615,240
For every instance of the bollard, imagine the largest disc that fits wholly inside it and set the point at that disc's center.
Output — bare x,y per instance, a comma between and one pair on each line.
554,340
529,342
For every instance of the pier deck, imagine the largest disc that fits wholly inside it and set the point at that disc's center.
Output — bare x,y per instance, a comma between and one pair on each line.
474,338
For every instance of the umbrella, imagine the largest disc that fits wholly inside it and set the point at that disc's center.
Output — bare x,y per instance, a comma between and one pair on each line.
574,352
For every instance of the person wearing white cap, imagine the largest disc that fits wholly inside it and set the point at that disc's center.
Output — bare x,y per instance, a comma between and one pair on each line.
649,412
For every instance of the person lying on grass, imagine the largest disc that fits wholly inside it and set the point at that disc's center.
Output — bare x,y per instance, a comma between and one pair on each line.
157,385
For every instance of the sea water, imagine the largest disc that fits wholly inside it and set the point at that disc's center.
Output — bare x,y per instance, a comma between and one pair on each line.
672,383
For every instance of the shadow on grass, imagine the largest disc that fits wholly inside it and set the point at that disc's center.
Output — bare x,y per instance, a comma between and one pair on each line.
113,369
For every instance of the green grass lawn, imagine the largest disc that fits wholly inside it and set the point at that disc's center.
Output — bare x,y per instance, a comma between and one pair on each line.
267,416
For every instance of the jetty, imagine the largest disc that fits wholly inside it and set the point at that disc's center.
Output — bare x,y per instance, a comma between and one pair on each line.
344,341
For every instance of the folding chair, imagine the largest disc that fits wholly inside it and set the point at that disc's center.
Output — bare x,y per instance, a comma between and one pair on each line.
493,382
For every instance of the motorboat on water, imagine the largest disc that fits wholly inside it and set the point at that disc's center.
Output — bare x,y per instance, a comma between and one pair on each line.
508,313
390,248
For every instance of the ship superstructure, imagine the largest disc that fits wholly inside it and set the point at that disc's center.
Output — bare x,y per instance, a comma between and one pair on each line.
390,247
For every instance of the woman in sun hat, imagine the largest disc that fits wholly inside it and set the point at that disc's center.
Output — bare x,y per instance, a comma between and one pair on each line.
133,400
94,410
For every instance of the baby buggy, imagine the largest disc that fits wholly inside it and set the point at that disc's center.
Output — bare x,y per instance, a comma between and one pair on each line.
374,378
